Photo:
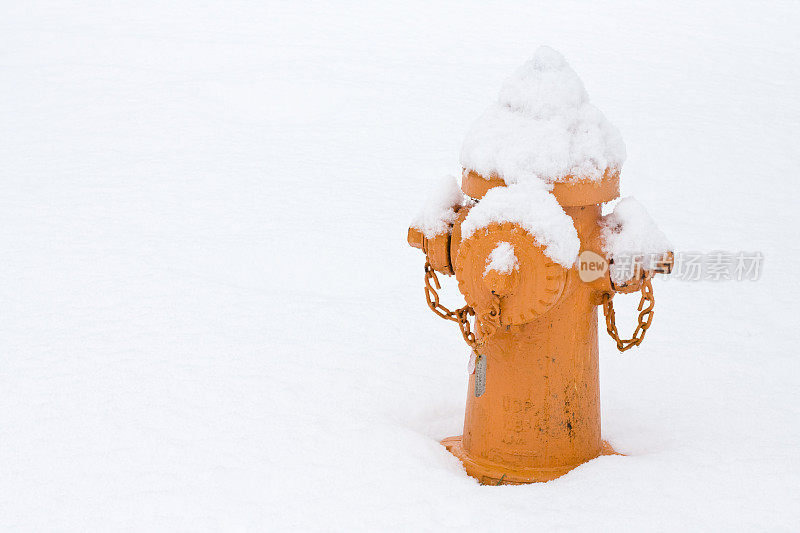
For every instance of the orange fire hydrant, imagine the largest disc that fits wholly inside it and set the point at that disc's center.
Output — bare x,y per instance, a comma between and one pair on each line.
533,403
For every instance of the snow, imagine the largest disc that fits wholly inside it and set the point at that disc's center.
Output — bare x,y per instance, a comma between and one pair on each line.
211,320
502,259
630,235
438,213
534,209
542,127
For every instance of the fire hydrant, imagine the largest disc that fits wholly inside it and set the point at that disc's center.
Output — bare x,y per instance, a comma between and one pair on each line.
535,258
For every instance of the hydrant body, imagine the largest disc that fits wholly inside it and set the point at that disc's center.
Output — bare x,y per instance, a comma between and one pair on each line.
539,416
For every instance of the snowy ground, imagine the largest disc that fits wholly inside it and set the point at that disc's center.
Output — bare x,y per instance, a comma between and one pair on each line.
211,319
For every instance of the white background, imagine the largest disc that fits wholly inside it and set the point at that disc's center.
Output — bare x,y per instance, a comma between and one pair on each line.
210,318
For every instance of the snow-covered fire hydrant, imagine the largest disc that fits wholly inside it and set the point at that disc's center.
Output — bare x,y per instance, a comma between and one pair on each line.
534,258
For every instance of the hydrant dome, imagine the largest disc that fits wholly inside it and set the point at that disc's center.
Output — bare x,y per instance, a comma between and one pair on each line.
543,127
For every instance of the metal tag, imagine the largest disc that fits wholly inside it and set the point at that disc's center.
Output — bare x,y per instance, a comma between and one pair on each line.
480,375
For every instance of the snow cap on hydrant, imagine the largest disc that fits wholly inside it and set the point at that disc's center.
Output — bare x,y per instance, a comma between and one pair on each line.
537,166
542,127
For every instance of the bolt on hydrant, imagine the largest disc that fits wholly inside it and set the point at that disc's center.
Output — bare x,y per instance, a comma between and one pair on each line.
535,258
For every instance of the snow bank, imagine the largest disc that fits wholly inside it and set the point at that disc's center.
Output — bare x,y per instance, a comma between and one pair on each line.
630,236
502,259
542,127
438,213
536,210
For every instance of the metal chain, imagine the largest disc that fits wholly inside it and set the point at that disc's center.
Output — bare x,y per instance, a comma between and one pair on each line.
645,317
489,322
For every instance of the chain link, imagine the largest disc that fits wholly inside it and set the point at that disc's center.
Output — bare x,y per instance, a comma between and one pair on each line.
644,321
488,323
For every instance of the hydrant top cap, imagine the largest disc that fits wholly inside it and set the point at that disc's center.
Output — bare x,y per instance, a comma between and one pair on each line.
543,127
